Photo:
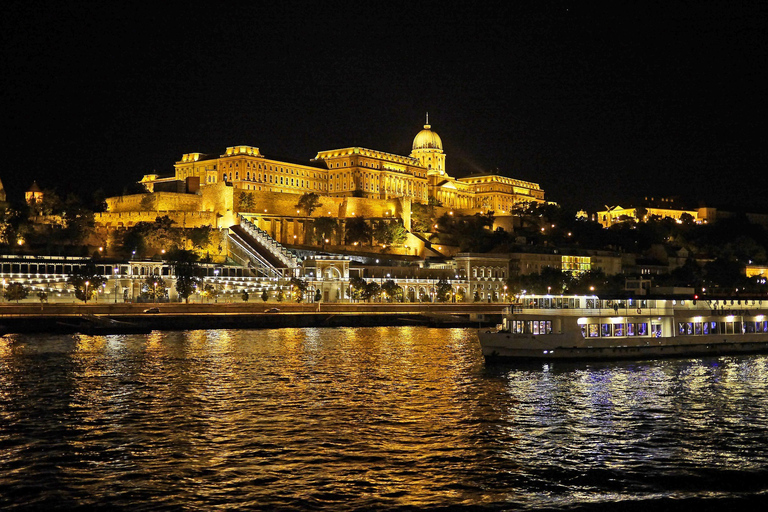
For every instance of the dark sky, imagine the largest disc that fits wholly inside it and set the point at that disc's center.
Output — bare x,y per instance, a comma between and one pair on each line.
597,104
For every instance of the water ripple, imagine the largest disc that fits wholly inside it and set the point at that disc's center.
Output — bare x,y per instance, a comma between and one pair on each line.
369,418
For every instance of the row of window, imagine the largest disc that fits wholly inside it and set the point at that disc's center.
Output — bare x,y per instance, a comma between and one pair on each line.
703,328
613,330
535,327
286,170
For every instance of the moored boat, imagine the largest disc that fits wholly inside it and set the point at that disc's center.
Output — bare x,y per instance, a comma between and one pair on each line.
590,327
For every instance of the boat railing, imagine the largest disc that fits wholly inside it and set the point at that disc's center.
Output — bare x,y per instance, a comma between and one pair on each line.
606,312
630,311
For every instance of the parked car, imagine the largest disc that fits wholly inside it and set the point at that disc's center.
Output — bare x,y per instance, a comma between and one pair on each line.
272,310
152,310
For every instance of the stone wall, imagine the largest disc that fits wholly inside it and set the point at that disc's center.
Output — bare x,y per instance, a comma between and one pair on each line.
157,201
183,219
284,204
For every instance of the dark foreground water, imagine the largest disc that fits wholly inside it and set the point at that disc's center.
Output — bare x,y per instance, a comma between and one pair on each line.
369,418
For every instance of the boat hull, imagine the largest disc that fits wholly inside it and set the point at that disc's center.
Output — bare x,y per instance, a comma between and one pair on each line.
499,346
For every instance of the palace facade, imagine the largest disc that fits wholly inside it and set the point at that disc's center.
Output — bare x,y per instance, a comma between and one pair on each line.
355,172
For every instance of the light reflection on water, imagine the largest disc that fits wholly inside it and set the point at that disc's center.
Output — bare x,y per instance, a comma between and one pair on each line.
357,418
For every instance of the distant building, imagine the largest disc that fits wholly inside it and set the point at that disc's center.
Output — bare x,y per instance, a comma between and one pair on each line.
617,214
33,194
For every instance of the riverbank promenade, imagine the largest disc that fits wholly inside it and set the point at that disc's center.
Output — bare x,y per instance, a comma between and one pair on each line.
179,316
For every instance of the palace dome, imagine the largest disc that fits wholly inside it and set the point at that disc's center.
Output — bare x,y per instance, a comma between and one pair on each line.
427,139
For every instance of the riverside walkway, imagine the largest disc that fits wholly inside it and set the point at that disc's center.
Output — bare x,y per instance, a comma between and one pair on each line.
178,316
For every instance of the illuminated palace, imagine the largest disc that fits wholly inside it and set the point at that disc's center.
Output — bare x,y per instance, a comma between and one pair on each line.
356,172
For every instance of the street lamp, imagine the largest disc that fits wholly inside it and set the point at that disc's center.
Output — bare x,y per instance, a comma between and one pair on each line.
154,293
216,285
86,291
116,271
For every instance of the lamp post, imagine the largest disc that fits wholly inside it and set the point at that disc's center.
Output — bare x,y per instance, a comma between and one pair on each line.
116,271
216,285
86,291
154,293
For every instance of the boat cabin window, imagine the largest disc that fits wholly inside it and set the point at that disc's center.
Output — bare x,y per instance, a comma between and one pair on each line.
534,327
595,330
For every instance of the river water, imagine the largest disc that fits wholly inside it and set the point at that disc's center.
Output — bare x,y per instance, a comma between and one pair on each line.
368,418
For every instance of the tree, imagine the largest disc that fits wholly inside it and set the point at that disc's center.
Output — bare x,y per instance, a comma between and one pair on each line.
154,286
358,287
422,217
324,228
78,220
86,281
16,291
42,295
372,290
245,296
393,291
210,292
308,202
244,201
152,236
133,241
50,204
99,200
187,271
199,237
162,234
687,219
318,295
358,230
11,224
443,290
390,232
298,289
264,295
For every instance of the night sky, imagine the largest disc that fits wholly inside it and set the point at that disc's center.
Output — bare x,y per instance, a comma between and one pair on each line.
597,104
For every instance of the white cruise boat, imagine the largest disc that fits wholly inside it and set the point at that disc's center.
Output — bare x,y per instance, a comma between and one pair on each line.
589,327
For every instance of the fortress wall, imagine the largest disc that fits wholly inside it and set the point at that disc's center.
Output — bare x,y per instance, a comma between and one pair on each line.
157,201
128,219
372,208
284,204
218,197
